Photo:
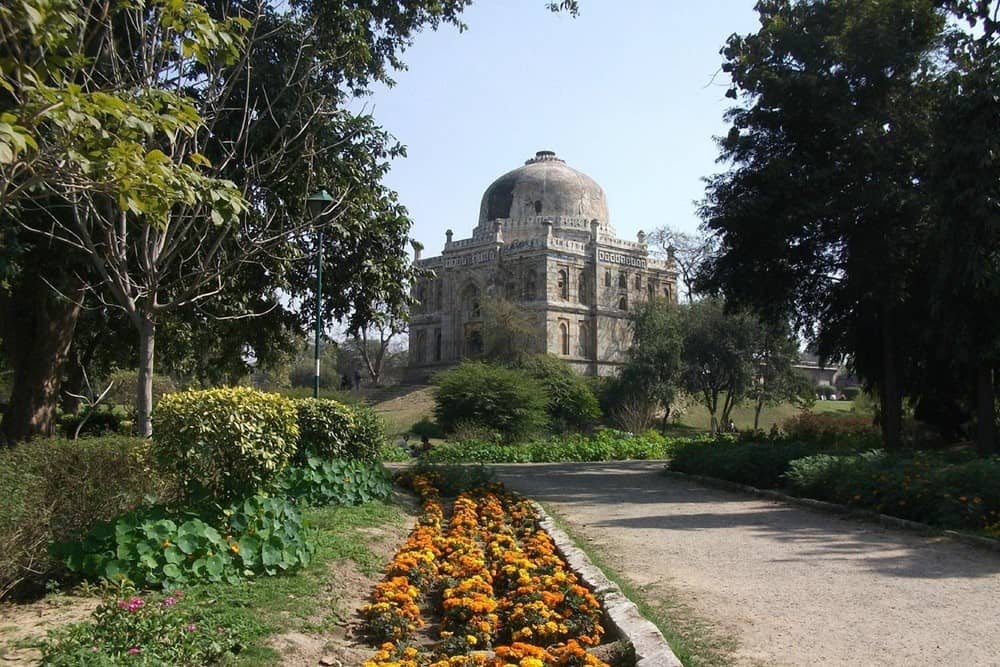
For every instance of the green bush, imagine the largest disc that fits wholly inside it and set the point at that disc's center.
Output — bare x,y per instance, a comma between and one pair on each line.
101,422
154,546
850,393
325,428
224,443
368,437
57,490
335,482
572,403
427,427
147,630
833,430
605,445
126,385
757,464
949,490
503,399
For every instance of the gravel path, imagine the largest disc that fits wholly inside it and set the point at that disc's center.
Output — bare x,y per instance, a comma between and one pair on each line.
793,586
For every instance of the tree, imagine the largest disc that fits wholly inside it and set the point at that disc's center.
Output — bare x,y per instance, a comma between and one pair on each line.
774,353
653,362
689,252
510,331
373,339
963,178
717,359
822,214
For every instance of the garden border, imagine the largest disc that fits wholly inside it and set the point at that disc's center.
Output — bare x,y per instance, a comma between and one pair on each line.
835,508
651,649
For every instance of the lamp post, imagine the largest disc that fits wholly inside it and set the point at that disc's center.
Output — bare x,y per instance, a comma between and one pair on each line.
317,204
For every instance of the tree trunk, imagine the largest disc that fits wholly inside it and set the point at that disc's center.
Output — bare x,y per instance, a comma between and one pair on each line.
37,334
986,436
756,413
144,386
890,393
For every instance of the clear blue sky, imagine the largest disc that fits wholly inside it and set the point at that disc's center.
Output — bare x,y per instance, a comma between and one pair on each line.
630,93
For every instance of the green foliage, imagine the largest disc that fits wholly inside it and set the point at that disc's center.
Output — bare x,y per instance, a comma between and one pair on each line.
224,443
760,464
427,427
126,384
325,428
944,489
833,429
605,445
572,403
335,482
56,490
851,393
502,399
652,370
368,436
153,546
146,630
450,480
100,422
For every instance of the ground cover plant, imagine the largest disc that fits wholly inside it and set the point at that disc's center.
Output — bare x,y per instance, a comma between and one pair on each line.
335,482
604,445
236,619
494,582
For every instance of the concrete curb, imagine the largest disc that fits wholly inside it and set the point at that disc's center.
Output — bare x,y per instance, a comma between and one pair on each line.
651,649
834,508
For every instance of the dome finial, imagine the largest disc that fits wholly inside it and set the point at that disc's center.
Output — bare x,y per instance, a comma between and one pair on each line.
544,156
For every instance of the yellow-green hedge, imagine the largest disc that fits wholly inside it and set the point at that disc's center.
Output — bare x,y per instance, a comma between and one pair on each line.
224,443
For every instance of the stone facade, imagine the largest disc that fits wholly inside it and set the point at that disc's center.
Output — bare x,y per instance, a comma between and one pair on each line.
543,241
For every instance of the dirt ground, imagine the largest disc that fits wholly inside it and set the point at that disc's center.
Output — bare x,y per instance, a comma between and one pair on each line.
23,624
790,586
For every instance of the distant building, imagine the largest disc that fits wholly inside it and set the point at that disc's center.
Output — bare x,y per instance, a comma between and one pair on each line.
544,240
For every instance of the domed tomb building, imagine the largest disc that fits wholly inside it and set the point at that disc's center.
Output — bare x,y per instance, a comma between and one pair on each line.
545,241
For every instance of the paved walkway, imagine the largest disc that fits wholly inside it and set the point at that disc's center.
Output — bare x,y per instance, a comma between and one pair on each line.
793,586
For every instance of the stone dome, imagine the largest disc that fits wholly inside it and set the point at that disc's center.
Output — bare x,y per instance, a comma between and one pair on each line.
545,187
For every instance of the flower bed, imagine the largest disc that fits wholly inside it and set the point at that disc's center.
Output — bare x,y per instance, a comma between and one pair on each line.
492,579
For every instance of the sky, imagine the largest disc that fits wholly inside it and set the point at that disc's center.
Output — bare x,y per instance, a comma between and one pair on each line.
630,93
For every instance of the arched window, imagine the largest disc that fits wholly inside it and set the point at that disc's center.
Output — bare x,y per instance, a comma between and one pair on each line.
667,293
651,289
437,345
581,285
623,303
607,278
438,294
622,280
564,337
638,281
583,344
563,284
530,286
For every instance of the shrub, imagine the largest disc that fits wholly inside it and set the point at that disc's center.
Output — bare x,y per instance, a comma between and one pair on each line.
148,630
503,399
57,490
224,443
368,436
338,482
100,422
757,464
572,403
427,427
851,393
834,430
325,428
126,386
605,445
154,546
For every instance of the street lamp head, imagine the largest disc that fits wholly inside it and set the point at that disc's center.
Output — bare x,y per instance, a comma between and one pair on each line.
318,202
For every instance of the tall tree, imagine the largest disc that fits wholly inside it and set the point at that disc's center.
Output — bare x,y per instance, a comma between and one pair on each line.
690,252
653,362
822,212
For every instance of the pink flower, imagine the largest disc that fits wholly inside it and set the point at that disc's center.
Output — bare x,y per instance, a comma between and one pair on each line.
191,627
135,604
169,601
122,604
134,650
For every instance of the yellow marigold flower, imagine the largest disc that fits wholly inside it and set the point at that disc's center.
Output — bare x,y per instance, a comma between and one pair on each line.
166,544
235,547
471,640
